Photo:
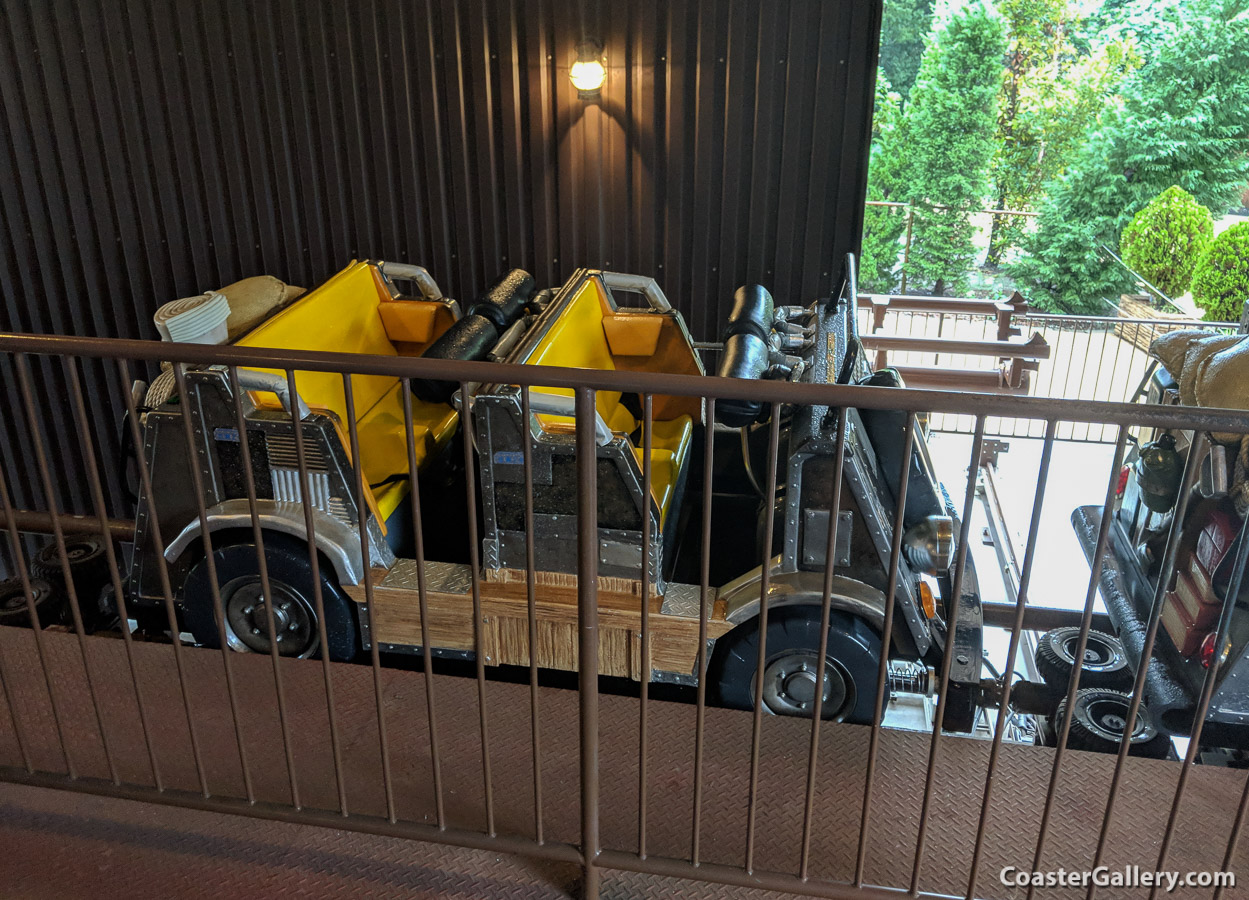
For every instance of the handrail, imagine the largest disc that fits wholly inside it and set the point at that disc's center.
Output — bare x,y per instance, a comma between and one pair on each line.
1034,348
919,303
859,396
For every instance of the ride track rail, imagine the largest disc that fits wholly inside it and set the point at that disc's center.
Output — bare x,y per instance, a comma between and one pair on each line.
589,852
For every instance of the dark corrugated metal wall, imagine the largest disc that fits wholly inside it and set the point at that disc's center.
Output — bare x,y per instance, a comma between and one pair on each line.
152,150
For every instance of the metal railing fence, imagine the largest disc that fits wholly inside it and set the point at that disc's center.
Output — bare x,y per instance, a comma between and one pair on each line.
1098,358
195,747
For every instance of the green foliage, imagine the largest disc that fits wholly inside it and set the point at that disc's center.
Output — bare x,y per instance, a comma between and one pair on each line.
1164,240
949,127
1221,282
1051,95
1183,119
883,226
903,27
1147,24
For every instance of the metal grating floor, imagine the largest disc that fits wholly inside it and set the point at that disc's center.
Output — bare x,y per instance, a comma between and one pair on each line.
68,833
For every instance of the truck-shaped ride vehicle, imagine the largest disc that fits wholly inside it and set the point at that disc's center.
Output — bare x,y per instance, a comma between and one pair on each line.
1185,482
514,450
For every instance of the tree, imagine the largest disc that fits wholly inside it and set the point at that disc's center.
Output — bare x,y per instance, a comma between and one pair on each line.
903,27
1183,119
1051,94
949,127
1165,239
883,226
1221,282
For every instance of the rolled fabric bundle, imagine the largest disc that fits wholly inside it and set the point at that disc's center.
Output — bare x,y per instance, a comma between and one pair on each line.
253,300
1212,370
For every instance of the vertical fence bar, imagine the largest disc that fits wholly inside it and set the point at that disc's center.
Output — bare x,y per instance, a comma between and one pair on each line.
1097,379
318,599
1086,622
587,619
266,587
1114,371
886,641
474,558
830,563
197,488
704,612
1222,648
531,609
366,555
756,734
906,247
644,685
162,569
19,730
1191,468
422,599
87,446
1021,602
23,574
947,658
1234,837
49,489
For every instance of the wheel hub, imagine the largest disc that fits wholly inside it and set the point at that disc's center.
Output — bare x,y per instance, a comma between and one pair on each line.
77,551
789,685
1112,720
1096,655
247,613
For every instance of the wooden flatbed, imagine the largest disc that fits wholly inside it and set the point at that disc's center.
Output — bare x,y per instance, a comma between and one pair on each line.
673,619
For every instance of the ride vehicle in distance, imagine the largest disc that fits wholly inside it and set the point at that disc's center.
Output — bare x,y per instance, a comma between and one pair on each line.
1200,607
247,455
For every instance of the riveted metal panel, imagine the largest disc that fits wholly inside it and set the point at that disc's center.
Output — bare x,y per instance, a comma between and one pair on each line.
153,151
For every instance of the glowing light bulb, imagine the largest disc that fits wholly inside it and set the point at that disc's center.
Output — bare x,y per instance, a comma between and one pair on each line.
588,73
588,76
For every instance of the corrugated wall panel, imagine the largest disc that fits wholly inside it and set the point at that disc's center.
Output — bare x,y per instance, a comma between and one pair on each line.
154,150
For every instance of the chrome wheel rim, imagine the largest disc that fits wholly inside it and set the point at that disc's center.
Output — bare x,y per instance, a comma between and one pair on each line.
247,623
789,686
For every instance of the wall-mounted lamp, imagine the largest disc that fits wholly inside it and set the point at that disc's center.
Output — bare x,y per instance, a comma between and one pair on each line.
588,73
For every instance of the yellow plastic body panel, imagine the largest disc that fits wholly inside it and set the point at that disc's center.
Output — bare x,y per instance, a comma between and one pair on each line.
632,334
346,315
670,445
590,334
408,322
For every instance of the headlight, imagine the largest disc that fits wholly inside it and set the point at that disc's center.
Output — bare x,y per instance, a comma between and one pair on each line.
929,545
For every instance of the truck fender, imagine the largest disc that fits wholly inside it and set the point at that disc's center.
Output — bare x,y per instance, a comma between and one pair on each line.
338,541
741,595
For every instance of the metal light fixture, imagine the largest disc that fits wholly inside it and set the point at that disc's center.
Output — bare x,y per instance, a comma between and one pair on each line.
588,73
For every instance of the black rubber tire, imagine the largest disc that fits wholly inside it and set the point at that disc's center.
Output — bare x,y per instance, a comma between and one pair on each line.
49,603
1098,723
853,648
1105,662
287,561
88,567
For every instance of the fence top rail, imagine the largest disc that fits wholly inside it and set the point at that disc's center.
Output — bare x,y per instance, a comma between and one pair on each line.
709,386
1120,320
919,303
974,306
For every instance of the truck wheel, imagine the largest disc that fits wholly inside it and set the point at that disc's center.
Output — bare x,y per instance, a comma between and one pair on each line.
793,640
1105,663
293,602
1099,719
48,603
88,567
